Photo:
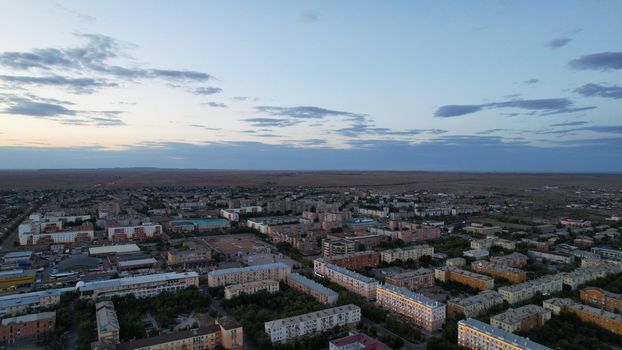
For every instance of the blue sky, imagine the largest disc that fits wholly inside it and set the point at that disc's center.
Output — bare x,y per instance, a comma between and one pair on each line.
396,85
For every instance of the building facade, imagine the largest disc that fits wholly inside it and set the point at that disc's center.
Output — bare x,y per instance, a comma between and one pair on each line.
354,282
474,305
140,286
273,271
427,313
312,288
471,279
26,326
521,319
412,280
477,335
234,290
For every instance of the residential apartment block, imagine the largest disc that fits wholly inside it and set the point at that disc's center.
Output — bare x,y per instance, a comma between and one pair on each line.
415,253
273,271
603,318
193,252
427,313
337,247
12,304
583,275
527,290
555,257
286,329
472,279
140,286
312,288
512,260
521,319
358,260
601,298
26,326
107,322
474,305
354,282
412,280
134,233
608,253
233,290
511,274
477,335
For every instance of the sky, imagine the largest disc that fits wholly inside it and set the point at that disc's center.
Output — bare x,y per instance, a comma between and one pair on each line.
526,86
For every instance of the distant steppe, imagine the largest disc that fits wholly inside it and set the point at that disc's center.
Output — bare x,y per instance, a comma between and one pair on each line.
398,181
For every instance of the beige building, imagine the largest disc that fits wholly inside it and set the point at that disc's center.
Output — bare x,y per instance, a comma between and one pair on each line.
427,313
521,319
354,282
273,271
233,290
415,253
412,279
472,279
140,286
511,260
477,335
296,327
527,290
474,305
312,288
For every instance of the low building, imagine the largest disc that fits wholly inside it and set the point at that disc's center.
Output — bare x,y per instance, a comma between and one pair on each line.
474,305
229,335
312,288
601,298
603,318
273,271
607,253
13,279
26,326
521,319
234,290
477,335
476,254
527,290
555,257
512,260
117,249
415,253
185,225
296,327
427,313
412,280
358,341
12,304
17,257
107,322
358,260
456,262
139,286
354,282
471,279
511,274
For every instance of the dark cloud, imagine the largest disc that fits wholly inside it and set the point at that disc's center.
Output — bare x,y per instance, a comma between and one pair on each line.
598,90
602,61
612,129
215,104
309,16
88,61
204,127
77,85
311,142
542,107
556,43
206,90
580,122
531,81
305,112
490,131
37,109
271,122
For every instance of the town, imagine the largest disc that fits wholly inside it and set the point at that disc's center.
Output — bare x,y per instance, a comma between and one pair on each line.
312,267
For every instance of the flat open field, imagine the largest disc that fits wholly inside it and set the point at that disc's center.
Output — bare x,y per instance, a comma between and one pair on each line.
432,181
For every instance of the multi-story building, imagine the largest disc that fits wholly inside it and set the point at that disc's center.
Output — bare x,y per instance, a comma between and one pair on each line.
476,254
134,233
273,271
358,260
412,280
477,335
601,298
337,247
233,290
227,334
455,262
107,322
607,253
511,274
354,282
185,225
415,253
36,232
427,313
12,304
312,288
512,260
267,223
521,319
574,223
474,305
583,275
472,279
193,252
286,329
556,257
26,326
527,290
139,286
358,341
482,229
233,214
605,319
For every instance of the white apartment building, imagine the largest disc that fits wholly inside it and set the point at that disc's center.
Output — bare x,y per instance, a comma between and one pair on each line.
273,271
234,290
403,254
427,313
140,286
477,335
124,233
295,327
474,305
527,290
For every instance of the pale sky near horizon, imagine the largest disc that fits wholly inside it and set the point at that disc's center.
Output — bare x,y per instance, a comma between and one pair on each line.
398,85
